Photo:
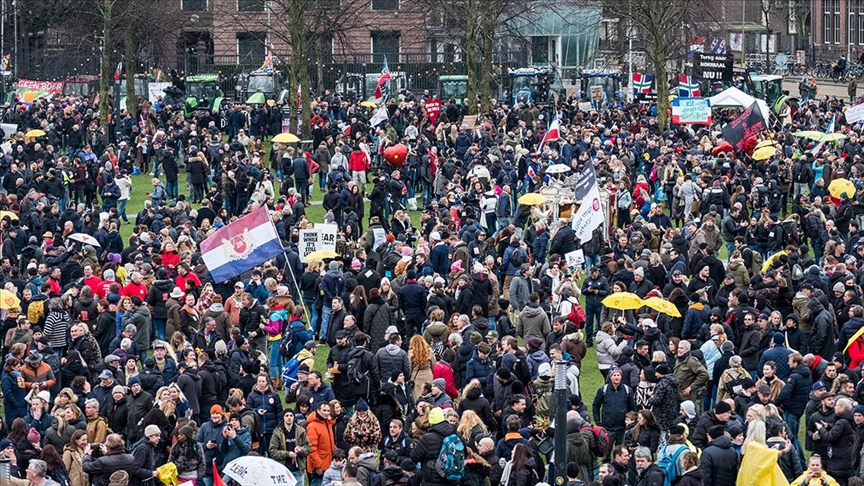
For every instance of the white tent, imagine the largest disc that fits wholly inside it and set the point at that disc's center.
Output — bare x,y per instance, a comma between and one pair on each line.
735,97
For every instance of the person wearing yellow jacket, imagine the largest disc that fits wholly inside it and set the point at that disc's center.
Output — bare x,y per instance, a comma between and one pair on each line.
759,462
814,475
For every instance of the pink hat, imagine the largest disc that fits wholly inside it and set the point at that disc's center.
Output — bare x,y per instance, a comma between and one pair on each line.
456,266
355,263
407,251
33,436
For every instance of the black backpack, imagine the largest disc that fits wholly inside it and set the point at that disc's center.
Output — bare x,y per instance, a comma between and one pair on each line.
516,258
358,373
257,432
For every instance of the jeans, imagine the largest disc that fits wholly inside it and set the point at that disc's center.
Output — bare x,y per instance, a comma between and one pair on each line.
322,184
171,189
302,186
300,476
325,320
275,359
313,314
315,480
207,481
592,261
730,247
159,326
121,209
792,423
157,168
592,313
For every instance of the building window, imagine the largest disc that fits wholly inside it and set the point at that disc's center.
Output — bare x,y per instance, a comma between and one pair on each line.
250,47
836,21
385,44
250,5
385,4
193,5
851,24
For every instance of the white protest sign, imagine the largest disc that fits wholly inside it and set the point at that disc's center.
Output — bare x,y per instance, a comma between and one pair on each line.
691,110
380,236
9,130
585,106
308,242
855,113
575,258
321,237
155,90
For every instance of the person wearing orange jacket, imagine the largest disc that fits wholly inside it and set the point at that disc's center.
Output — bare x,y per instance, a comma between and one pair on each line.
319,430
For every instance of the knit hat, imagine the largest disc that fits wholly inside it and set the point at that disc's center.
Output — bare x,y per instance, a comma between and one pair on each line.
649,322
676,429
503,373
333,265
220,347
5,443
722,407
436,416
362,406
544,370
151,430
476,338
439,383
727,346
640,272
858,409
33,436
134,381
839,287
779,338
216,409
187,430
390,330
118,389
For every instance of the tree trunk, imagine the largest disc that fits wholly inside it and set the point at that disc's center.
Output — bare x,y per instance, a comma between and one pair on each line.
130,65
485,80
661,77
104,107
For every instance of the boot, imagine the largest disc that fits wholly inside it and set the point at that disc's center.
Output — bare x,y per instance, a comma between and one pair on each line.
277,382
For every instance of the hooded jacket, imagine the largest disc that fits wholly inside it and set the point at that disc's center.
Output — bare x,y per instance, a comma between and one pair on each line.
426,452
533,322
321,443
719,463
822,336
389,359
190,384
157,297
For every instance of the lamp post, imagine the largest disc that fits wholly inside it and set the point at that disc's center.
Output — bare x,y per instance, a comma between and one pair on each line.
559,406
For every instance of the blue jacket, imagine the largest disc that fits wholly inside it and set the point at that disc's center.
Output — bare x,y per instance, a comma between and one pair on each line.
412,299
478,369
239,446
322,395
779,355
795,395
509,268
14,404
440,259
272,406
333,284
169,372
259,292
210,431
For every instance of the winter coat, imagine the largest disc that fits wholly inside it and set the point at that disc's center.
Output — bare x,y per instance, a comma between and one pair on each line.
426,452
691,478
272,405
389,359
719,463
822,337
664,401
692,374
321,443
14,404
189,458
607,350
841,438
99,470
190,384
533,322
72,461
700,434
145,459
578,449
651,476
614,404
480,405
376,319
750,348
239,446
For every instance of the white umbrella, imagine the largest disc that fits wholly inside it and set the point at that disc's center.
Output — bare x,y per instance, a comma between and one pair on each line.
84,238
258,471
557,169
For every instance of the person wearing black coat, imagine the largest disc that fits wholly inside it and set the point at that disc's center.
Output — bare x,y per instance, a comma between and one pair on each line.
144,452
841,438
113,459
822,335
651,475
563,241
426,450
197,177
719,461
302,176
692,477
151,378
473,399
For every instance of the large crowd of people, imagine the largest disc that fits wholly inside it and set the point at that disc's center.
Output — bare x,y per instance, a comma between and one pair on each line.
449,310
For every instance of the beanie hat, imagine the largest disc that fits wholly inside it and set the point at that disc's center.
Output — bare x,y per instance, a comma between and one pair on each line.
436,416
476,338
504,373
439,383
220,347
33,435
544,370
839,287
727,346
151,430
858,409
187,430
134,381
722,407
362,406
333,265
216,409
779,338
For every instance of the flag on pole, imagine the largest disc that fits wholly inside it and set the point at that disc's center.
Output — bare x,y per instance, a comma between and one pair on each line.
240,246
688,86
217,479
553,132
590,214
118,73
642,83
379,117
382,89
828,131
718,46
269,63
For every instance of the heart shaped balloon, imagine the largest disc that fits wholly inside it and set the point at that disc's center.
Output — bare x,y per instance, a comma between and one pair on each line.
395,155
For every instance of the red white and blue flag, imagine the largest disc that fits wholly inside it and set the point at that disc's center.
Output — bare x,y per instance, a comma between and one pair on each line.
553,132
268,65
718,46
642,83
688,86
240,246
118,73
383,86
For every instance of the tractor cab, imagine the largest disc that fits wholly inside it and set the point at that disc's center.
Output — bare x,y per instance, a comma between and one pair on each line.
533,85
272,84
605,83
82,86
455,87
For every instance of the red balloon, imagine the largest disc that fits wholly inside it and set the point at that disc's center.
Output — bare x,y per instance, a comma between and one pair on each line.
396,155
723,147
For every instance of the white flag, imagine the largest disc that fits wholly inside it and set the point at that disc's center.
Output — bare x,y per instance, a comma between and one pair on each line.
379,116
590,213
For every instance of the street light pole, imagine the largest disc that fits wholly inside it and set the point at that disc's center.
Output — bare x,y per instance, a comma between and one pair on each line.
559,406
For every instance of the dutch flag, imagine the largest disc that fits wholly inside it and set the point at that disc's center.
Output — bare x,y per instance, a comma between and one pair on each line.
240,246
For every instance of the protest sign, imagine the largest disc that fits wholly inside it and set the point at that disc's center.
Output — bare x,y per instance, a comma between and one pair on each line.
687,111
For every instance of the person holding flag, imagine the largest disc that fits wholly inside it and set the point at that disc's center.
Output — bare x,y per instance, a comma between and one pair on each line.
382,89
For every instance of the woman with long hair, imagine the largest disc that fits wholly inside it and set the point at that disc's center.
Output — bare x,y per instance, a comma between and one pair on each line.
72,459
519,471
340,423
711,353
647,433
473,401
56,469
357,303
421,360
691,473
469,426
419,419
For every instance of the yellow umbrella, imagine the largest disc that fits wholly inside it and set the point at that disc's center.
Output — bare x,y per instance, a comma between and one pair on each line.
8,300
661,305
532,198
771,259
764,153
765,143
11,215
368,104
623,301
286,138
34,134
841,188
320,255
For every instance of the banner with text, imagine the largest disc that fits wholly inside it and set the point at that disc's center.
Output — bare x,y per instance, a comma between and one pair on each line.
691,111
321,237
30,90
433,108
855,113
712,67
156,90
750,123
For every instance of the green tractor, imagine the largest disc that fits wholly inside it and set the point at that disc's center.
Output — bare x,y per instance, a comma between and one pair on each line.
204,93
255,86
453,86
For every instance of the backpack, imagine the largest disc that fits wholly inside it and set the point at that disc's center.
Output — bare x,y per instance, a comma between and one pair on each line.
756,262
516,258
256,433
36,312
450,464
294,339
289,371
601,445
522,371
669,465
357,373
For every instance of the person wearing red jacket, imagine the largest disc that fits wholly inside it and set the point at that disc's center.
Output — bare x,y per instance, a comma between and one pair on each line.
358,164
170,258
443,371
184,276
135,287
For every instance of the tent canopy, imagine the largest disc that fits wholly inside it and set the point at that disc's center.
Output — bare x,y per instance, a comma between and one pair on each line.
735,97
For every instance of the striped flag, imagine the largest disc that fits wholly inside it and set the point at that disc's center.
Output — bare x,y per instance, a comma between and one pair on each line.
553,132
718,46
118,73
238,247
828,131
382,89
688,86
642,83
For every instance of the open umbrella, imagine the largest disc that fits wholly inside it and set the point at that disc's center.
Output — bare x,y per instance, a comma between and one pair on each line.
532,198
286,138
557,169
765,143
34,134
368,104
256,99
809,134
8,300
84,238
841,188
771,259
764,153
623,301
11,215
319,255
661,305
258,471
